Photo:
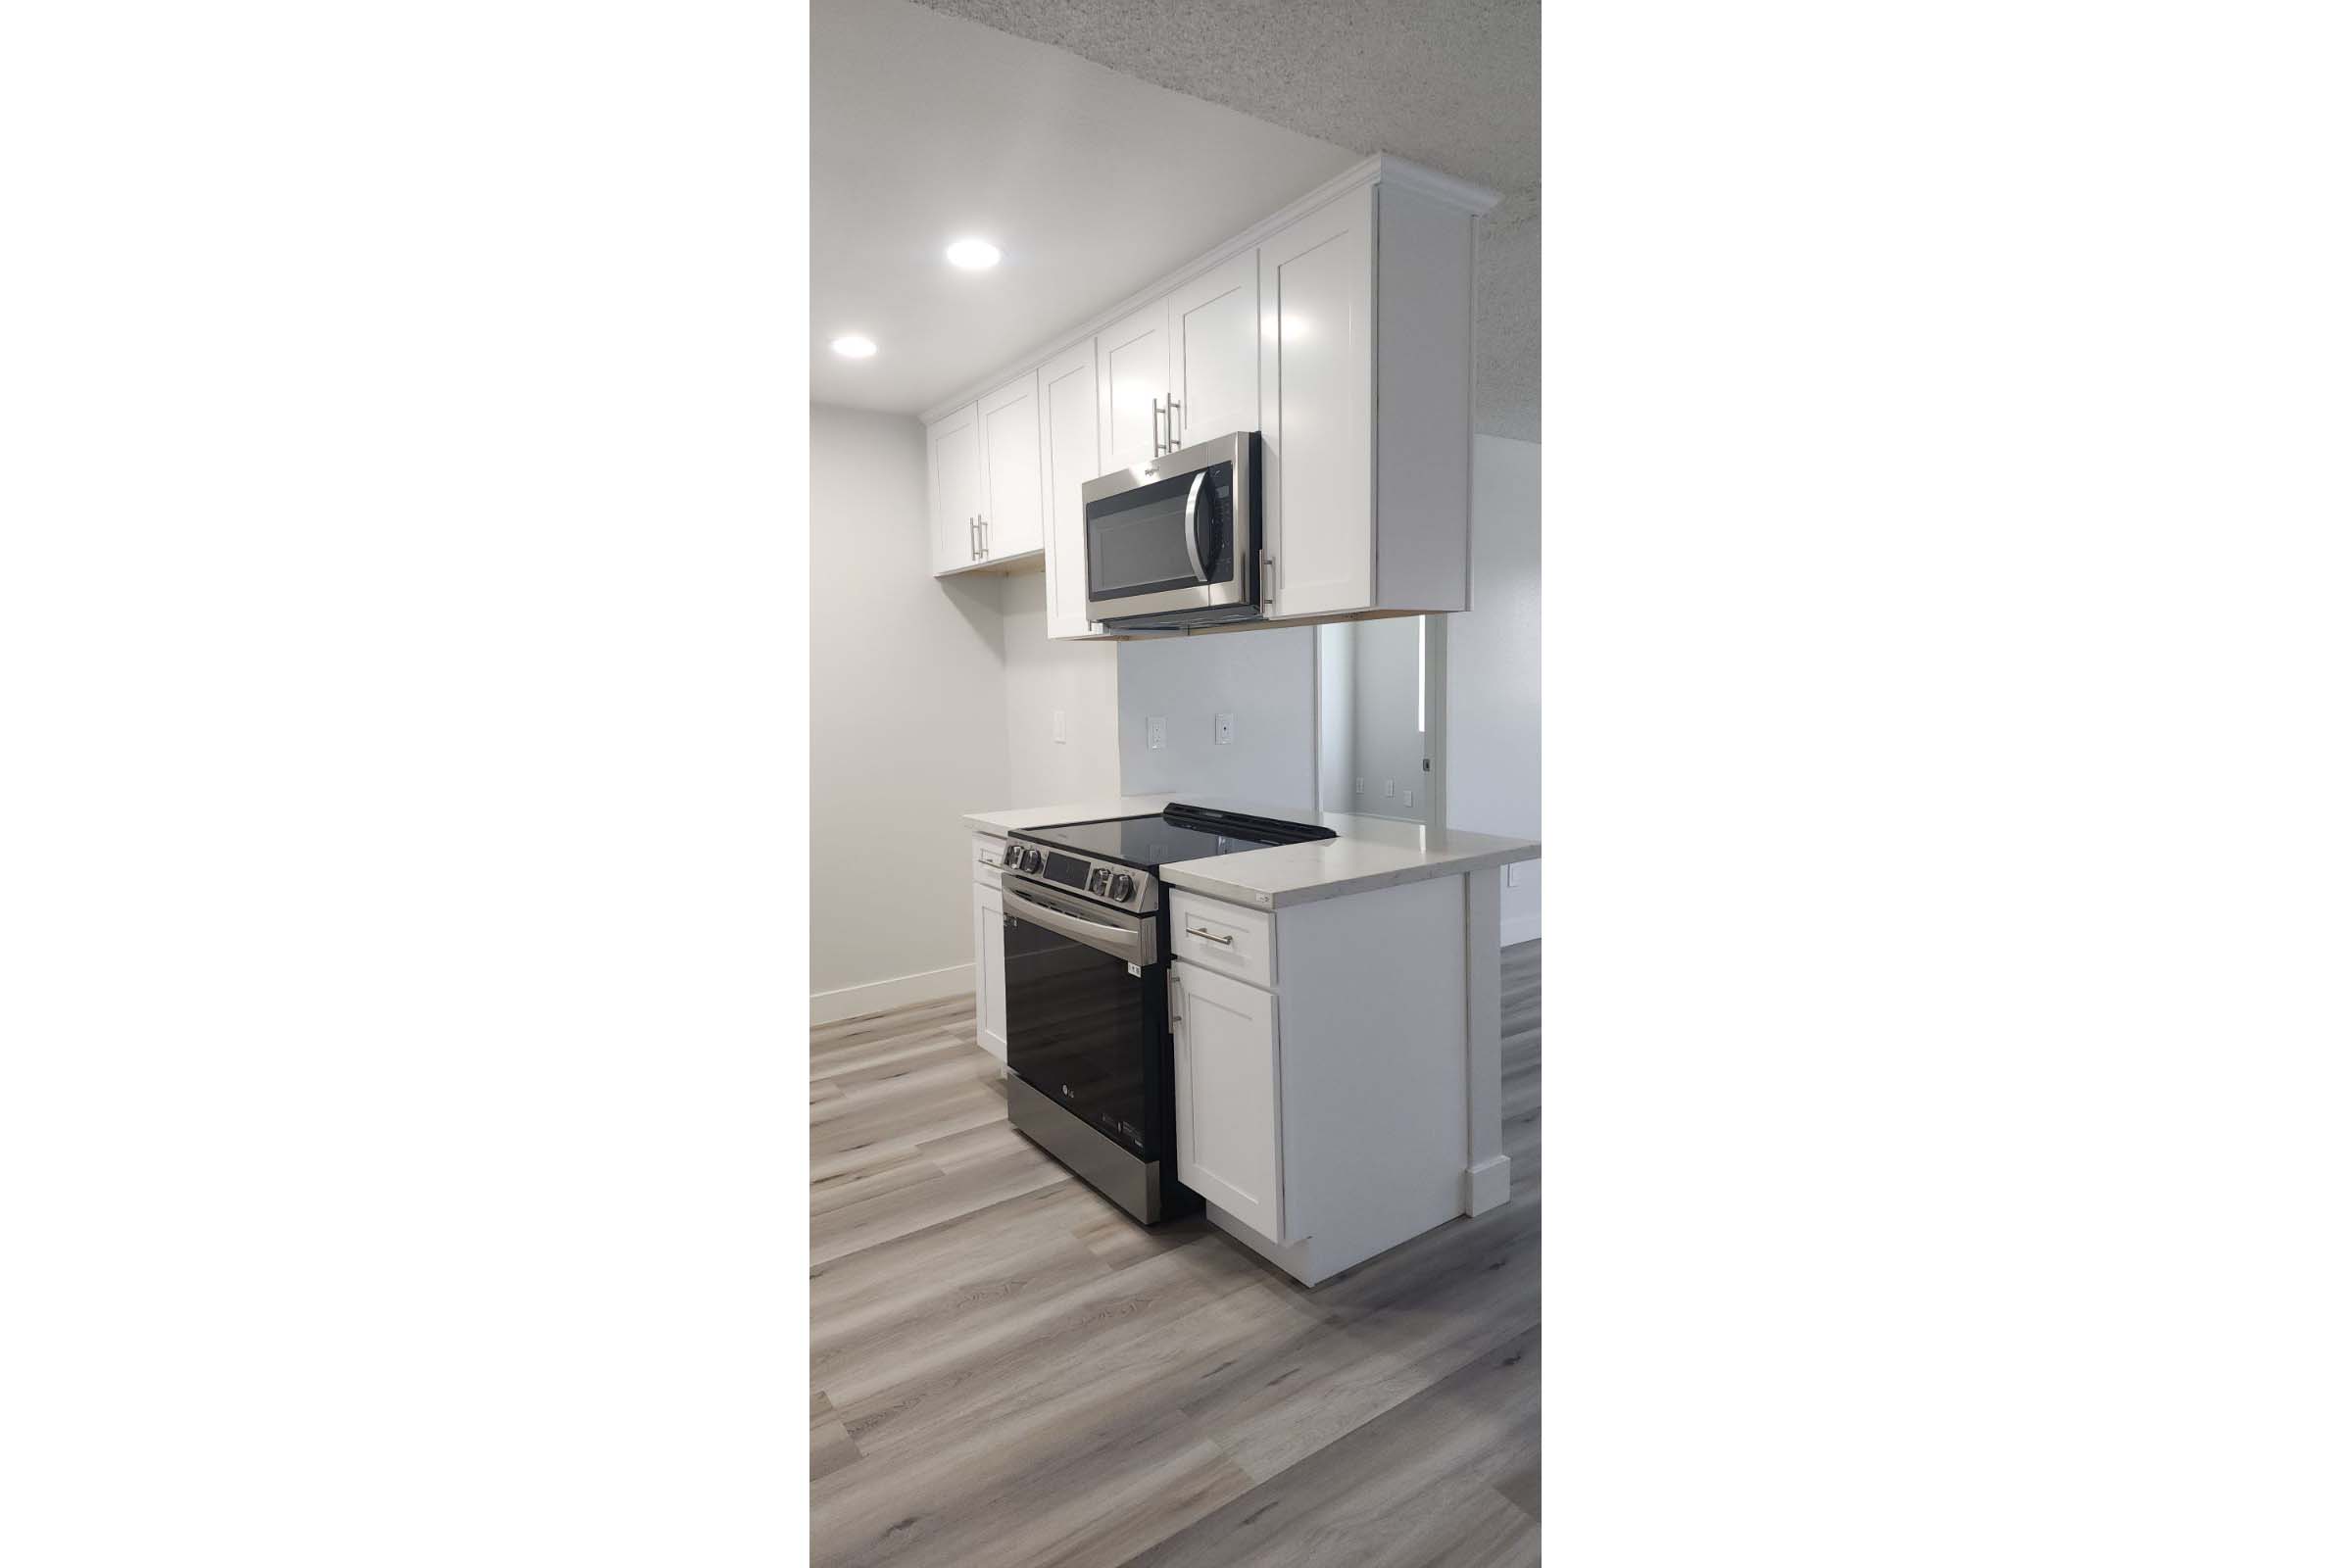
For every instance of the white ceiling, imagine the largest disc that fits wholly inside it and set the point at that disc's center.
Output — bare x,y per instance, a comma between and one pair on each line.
926,127
1456,85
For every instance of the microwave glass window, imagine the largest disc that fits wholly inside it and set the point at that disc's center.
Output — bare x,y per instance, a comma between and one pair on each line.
1134,541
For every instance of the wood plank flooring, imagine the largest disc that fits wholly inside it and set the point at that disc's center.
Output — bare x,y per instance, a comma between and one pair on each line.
1006,1372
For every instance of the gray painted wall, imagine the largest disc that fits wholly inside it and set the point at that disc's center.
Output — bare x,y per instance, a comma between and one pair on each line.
1494,669
1267,679
1371,719
906,711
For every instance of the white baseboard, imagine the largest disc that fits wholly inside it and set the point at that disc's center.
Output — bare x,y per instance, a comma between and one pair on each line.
1522,928
1486,1184
880,996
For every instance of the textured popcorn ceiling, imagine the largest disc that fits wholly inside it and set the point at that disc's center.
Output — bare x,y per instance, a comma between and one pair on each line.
1451,83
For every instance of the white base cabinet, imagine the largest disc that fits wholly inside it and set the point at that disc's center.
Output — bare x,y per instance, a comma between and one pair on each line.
1356,1101
1228,1095
988,942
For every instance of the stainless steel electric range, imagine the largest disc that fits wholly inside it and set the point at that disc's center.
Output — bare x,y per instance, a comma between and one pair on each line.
1086,995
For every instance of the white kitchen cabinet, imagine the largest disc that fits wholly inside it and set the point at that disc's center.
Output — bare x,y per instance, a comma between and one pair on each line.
954,445
1010,521
988,966
988,942
1214,353
1348,1101
1071,456
1316,356
1131,358
1340,330
1228,1095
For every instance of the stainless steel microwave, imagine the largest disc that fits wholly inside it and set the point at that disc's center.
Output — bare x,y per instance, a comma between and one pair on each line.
1173,542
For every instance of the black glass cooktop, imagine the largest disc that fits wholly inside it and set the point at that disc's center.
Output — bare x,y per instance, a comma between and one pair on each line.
1179,833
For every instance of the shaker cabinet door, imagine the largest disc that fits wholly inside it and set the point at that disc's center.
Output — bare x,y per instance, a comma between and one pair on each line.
1228,1095
988,967
955,443
1212,344
1010,521
1065,389
1314,288
1132,359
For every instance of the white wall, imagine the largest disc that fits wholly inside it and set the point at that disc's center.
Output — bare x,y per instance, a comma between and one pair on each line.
905,718
1371,719
1389,743
1335,760
1494,674
1267,679
1081,679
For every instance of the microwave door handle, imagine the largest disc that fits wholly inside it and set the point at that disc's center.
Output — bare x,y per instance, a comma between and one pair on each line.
1191,538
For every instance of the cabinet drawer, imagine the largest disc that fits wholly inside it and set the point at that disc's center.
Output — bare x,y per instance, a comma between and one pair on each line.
988,861
1224,936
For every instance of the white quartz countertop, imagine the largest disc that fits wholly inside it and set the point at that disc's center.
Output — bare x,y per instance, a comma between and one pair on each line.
1370,852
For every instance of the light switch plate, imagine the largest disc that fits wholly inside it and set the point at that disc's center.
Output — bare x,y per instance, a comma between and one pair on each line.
1155,734
1389,793
1359,786
1224,729
1061,732
1408,797
1510,873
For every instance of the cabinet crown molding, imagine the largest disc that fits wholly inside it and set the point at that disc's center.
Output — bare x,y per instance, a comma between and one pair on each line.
1379,169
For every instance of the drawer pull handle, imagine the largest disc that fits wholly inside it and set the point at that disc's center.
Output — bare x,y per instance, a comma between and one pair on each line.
1196,931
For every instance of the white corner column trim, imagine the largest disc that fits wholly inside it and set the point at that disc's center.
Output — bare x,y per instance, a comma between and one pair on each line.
1487,1180
880,996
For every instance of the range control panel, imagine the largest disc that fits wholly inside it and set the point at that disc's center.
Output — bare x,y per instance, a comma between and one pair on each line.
1104,881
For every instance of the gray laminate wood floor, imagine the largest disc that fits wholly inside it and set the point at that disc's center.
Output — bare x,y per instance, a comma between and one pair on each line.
1009,1373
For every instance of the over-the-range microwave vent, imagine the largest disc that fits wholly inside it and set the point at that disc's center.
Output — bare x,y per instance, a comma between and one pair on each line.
1187,620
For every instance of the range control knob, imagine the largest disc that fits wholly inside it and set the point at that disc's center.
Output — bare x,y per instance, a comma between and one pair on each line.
1031,859
1122,888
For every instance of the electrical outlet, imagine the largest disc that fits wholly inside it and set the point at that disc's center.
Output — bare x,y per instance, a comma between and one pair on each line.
1408,797
1224,729
1510,873
1061,728
1155,734
1389,793
1359,786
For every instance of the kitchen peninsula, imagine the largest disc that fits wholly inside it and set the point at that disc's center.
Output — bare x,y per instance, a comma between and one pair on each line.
1309,1002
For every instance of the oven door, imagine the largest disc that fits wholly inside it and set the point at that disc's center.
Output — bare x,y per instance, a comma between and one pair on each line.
1086,1010
1176,533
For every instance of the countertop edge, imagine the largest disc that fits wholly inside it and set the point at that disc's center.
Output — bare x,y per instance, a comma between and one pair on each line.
1209,887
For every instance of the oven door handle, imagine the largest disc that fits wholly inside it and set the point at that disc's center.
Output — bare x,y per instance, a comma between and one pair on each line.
1191,537
1135,944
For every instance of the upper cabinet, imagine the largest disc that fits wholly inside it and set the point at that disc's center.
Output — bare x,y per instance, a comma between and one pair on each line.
1338,330
987,483
1213,352
1066,405
1315,358
956,490
1131,364
1010,523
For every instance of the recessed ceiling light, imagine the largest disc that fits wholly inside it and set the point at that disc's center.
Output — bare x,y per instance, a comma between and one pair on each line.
974,255
853,347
